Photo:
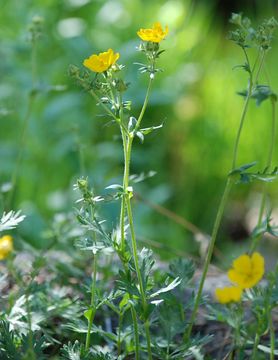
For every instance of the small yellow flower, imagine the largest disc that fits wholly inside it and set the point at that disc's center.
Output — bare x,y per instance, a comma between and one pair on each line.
155,34
101,62
6,246
228,294
247,270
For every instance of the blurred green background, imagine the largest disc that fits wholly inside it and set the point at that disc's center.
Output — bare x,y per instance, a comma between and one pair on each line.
195,97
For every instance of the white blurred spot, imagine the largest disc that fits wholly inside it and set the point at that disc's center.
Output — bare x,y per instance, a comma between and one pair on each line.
171,12
114,12
78,3
71,27
56,200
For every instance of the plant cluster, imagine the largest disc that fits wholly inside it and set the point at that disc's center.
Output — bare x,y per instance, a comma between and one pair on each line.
128,305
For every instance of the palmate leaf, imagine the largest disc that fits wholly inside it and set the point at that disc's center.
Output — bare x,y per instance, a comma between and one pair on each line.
182,268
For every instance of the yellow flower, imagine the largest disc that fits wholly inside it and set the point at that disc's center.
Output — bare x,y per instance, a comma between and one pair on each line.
247,270
228,294
6,246
155,34
101,62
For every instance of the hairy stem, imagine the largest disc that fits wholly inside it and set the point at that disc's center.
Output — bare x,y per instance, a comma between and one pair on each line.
216,226
224,198
127,144
92,304
136,333
272,336
257,238
255,346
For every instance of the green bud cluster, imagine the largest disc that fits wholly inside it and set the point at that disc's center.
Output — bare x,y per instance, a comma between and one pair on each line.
35,28
246,36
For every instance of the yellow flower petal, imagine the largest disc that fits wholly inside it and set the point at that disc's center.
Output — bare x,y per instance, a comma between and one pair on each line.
228,294
101,62
155,34
242,264
247,270
6,246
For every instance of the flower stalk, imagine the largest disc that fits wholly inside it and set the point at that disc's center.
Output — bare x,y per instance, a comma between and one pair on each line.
227,188
92,309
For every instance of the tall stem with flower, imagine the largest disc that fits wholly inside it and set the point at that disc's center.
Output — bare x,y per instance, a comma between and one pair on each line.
242,37
111,99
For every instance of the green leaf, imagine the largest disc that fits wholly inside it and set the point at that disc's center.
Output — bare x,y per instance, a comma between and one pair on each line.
140,135
245,67
267,350
148,130
132,124
170,287
262,93
240,176
124,301
88,313
115,186
182,268
243,168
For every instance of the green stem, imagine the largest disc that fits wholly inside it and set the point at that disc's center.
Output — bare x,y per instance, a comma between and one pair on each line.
255,347
136,333
130,218
30,334
209,255
31,98
92,304
109,112
260,67
142,112
119,341
148,337
257,238
223,200
126,171
122,223
272,336
243,114
22,141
